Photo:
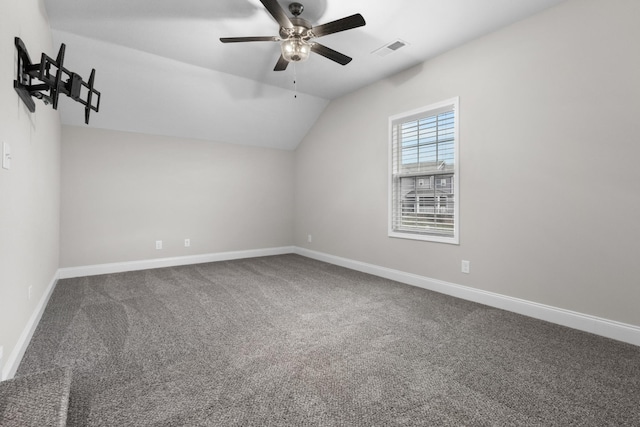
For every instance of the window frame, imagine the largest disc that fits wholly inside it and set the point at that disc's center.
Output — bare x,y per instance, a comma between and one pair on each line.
408,116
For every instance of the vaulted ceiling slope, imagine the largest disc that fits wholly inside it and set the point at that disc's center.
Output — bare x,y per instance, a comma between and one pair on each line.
162,70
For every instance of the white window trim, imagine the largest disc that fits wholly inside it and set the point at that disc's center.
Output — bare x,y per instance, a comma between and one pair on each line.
406,116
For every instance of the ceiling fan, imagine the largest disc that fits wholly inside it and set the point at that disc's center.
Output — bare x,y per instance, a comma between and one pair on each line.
297,35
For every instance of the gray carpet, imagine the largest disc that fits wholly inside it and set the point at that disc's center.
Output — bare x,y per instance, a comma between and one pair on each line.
287,340
36,400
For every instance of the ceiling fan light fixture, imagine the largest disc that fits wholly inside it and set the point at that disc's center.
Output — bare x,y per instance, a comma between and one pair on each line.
295,49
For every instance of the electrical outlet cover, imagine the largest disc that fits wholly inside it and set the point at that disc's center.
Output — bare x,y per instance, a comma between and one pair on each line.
466,266
6,156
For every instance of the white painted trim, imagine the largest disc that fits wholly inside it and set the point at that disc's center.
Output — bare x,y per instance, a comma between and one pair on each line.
119,267
396,119
11,367
583,322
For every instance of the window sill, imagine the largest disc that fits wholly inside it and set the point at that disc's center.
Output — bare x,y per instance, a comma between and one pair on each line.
424,237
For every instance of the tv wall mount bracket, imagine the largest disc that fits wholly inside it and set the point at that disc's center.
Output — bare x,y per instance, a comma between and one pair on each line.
48,79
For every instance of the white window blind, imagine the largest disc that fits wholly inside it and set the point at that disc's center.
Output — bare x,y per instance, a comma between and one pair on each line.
424,173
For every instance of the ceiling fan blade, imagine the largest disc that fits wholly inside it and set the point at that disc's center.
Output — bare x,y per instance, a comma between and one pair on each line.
353,21
330,54
249,39
277,12
281,65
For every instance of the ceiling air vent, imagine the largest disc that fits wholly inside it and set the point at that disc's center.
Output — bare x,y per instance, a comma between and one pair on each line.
389,48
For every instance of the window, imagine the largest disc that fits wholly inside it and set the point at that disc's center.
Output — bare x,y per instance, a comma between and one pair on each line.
423,190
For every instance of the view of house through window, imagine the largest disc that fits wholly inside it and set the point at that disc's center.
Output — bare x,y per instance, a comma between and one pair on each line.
423,172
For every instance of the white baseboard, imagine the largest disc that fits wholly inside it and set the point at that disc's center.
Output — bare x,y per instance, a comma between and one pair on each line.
10,368
583,322
120,267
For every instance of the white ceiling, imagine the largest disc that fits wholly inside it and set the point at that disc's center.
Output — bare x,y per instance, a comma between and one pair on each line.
162,70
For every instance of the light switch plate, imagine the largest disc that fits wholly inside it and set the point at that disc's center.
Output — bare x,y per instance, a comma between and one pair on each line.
6,156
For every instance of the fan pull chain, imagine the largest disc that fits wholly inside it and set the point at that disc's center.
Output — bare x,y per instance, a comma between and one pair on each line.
295,82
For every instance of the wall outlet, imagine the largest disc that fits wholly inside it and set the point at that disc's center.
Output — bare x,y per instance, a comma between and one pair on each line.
466,266
6,156
309,238
187,243
29,291
1,353
158,244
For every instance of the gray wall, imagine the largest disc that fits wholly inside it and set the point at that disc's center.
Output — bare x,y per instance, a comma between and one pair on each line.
30,190
123,191
550,200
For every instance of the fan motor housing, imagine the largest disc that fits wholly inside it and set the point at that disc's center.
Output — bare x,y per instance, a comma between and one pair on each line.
300,28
